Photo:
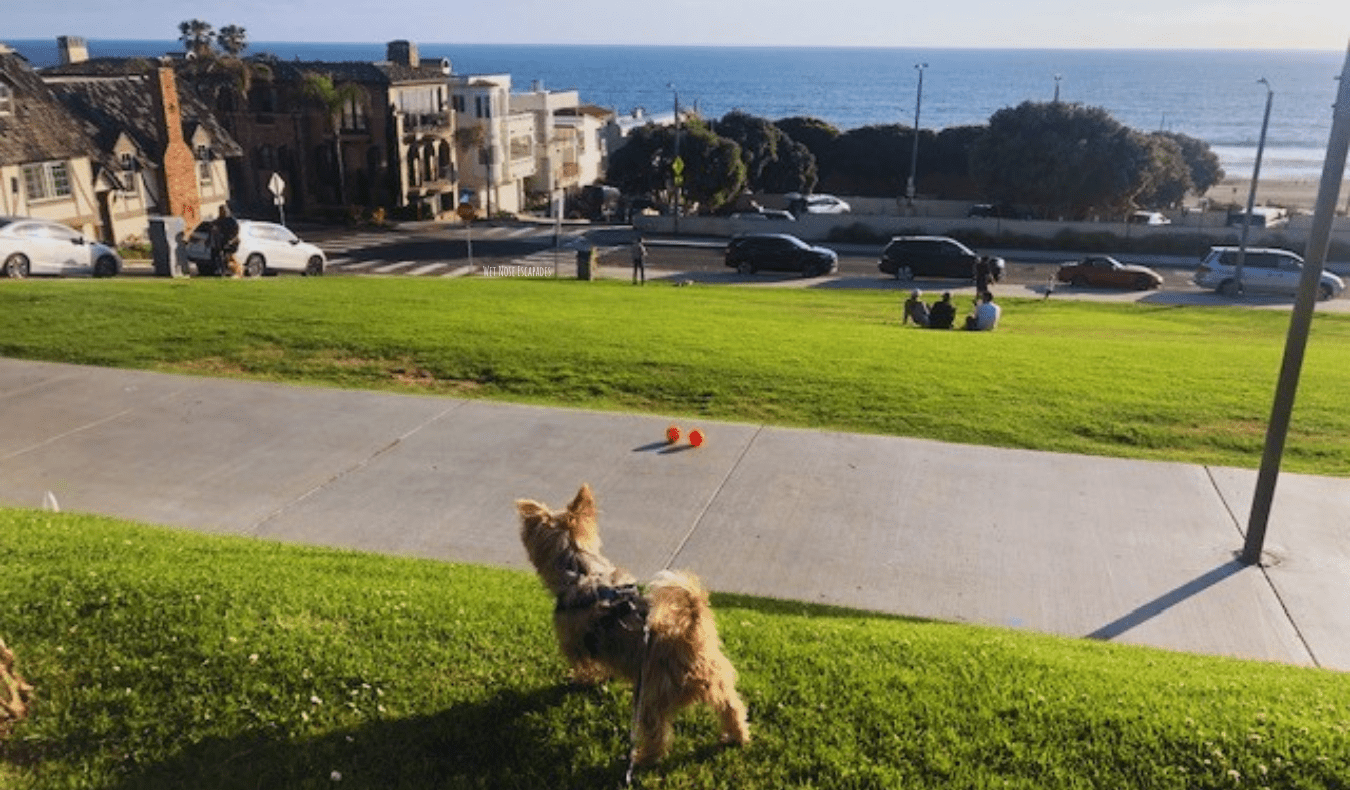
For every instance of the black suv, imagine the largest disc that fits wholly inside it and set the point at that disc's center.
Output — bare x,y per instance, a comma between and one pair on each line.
779,252
908,257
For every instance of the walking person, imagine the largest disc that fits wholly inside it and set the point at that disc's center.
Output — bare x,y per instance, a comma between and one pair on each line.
982,274
224,240
639,262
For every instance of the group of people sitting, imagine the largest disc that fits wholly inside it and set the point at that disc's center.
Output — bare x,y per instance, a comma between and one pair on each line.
942,314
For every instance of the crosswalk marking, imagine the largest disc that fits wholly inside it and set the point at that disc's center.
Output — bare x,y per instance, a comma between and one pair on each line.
555,252
425,268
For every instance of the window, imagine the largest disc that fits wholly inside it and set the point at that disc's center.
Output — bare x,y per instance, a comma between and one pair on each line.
457,102
204,165
128,162
6,100
46,181
354,115
483,106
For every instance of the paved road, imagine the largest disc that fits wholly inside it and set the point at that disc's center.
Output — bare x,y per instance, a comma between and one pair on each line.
438,250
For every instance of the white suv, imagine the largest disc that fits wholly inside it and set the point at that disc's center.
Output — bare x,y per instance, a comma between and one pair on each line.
1264,270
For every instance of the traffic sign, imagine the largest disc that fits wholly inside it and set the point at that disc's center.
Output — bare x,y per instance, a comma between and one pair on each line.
277,186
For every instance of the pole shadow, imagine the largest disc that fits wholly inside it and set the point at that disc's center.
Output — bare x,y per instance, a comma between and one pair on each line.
1166,601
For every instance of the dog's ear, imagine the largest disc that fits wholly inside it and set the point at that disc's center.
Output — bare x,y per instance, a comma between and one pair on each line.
583,504
529,509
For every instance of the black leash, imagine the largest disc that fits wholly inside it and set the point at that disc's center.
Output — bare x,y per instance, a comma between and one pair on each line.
637,705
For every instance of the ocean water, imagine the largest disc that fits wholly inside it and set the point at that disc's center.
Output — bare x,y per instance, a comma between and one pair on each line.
1209,94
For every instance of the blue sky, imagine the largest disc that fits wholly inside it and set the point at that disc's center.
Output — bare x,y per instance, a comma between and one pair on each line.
1170,24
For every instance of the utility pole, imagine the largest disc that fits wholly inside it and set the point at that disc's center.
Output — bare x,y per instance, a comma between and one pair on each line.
677,165
1251,193
1315,255
914,154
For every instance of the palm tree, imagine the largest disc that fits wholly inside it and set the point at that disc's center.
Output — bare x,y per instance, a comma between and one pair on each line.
334,98
233,39
196,36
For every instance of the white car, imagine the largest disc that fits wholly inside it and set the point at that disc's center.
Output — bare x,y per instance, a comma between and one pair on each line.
816,204
264,248
39,246
826,204
1265,270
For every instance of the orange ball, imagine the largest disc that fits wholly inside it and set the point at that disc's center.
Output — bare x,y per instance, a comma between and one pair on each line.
673,434
696,437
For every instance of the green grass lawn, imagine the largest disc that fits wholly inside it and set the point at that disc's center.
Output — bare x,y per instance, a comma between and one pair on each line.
166,660
172,660
1157,382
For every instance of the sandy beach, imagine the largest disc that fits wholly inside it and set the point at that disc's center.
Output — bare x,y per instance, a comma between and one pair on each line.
1295,195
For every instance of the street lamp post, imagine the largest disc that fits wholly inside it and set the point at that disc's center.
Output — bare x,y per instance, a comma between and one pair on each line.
1251,194
1057,88
914,153
677,165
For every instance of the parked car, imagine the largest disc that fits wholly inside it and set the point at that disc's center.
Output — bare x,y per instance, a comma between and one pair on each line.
1149,218
264,248
908,257
1264,270
39,246
1103,271
765,214
779,252
816,204
999,210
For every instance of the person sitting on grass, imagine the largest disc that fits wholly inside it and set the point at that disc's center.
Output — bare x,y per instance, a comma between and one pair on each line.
915,310
943,313
985,317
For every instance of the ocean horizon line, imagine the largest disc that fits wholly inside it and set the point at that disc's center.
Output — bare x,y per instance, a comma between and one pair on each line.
695,45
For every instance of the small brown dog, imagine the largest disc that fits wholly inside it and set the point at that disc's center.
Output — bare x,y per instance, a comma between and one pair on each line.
664,642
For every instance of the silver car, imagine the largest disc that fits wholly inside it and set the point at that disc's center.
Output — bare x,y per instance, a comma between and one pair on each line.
264,248
39,246
1265,270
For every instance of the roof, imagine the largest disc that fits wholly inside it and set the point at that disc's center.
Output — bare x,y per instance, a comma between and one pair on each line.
383,73
109,106
40,128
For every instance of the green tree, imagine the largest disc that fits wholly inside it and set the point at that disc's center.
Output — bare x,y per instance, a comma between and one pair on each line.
816,135
1061,159
196,36
233,40
870,160
1168,179
773,161
332,99
713,171
1203,163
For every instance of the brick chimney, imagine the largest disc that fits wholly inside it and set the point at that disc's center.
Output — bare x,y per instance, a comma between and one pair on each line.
180,167
404,53
72,49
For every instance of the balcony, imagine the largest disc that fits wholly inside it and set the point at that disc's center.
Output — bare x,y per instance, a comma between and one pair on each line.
425,123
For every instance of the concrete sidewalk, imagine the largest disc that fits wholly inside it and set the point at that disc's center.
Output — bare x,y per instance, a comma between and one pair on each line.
1125,551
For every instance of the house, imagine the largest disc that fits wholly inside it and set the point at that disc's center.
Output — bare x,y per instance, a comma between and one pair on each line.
496,144
570,149
387,139
158,148
46,158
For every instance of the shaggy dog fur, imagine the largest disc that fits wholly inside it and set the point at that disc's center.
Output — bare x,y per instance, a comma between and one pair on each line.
664,642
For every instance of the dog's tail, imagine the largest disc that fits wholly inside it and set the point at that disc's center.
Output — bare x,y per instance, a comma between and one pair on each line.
679,604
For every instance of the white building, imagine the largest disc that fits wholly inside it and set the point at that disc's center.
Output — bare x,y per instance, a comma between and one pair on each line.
570,146
495,146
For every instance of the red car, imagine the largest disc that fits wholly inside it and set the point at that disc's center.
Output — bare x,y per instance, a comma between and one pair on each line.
1103,271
